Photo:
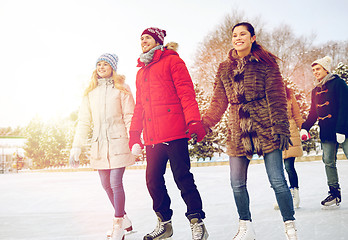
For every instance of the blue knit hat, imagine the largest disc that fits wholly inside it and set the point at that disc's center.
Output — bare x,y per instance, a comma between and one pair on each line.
110,58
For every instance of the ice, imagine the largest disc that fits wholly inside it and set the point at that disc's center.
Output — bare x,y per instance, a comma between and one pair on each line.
73,205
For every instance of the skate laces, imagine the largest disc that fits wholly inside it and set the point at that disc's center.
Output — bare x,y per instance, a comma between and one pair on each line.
197,230
159,229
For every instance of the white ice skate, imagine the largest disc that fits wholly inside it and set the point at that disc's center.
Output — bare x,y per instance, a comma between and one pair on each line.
290,230
245,231
117,231
127,226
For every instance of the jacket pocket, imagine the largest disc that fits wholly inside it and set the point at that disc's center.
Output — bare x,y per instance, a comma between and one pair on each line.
118,146
170,121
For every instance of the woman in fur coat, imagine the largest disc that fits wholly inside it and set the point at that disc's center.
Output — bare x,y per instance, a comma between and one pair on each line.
250,85
107,107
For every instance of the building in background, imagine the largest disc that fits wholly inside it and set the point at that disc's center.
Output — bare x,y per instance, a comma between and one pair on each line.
12,156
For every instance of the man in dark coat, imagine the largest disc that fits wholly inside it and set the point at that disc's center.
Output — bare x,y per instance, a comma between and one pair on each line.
330,107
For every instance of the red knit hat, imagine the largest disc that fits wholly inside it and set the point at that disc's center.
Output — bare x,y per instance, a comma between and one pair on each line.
156,33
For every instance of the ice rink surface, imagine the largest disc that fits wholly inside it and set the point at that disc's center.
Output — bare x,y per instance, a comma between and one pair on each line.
73,205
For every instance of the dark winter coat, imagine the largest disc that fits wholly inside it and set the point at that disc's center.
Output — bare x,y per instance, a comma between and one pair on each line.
255,94
330,106
165,98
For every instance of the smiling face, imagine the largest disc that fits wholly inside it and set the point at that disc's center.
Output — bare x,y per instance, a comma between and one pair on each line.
147,43
104,69
242,40
319,72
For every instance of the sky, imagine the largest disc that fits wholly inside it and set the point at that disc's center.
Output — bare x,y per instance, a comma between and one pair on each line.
48,48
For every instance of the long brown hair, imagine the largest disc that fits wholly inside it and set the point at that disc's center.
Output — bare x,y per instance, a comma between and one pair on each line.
118,82
257,50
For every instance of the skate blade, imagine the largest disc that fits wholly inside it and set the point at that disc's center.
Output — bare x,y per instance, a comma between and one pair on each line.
129,232
331,207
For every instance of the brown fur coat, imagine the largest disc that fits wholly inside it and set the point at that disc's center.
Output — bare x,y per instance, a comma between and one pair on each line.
255,95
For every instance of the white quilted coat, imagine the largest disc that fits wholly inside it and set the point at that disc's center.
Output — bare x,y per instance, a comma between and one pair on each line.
109,112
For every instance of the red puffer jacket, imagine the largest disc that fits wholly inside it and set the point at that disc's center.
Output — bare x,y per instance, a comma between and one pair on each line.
165,99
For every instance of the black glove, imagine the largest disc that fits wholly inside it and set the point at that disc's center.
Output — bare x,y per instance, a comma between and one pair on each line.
284,141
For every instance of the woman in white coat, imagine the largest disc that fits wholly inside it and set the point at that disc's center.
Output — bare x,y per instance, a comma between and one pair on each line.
107,107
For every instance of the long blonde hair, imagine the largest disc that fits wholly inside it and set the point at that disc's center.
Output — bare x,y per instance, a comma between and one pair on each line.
118,82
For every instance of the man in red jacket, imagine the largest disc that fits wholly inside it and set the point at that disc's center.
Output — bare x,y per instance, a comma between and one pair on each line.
167,114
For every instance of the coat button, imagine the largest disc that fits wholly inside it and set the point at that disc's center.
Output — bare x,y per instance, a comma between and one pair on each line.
149,119
168,110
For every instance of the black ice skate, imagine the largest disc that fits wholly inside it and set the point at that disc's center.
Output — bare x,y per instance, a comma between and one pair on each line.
199,232
334,198
163,229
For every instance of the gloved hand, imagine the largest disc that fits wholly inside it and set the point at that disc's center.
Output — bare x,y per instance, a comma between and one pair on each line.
196,131
284,141
304,135
340,137
74,159
134,137
136,149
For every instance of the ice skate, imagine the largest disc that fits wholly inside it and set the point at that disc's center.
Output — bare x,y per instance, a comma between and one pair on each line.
333,200
290,230
245,231
295,199
163,229
117,230
199,232
127,226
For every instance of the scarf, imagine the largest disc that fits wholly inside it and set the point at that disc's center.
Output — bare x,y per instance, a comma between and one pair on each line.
327,78
147,57
105,81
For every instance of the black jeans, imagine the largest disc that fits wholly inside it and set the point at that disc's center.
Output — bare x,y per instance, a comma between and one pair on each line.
290,169
157,157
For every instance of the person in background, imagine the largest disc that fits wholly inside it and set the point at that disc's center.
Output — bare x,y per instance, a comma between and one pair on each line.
289,155
166,112
329,105
107,107
249,84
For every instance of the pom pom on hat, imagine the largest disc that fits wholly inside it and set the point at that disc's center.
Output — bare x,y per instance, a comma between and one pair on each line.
325,62
156,33
110,58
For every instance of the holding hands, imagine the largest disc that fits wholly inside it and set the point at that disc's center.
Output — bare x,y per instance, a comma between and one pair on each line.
196,131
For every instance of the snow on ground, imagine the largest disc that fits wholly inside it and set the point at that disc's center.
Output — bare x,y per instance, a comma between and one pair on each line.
73,205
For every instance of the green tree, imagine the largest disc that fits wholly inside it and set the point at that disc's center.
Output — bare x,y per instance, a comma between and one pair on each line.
33,150
49,144
342,71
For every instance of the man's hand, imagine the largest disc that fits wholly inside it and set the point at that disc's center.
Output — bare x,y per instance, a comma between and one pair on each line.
196,131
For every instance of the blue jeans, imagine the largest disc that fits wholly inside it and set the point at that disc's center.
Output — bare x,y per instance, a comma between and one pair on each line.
275,172
111,180
330,158
289,164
